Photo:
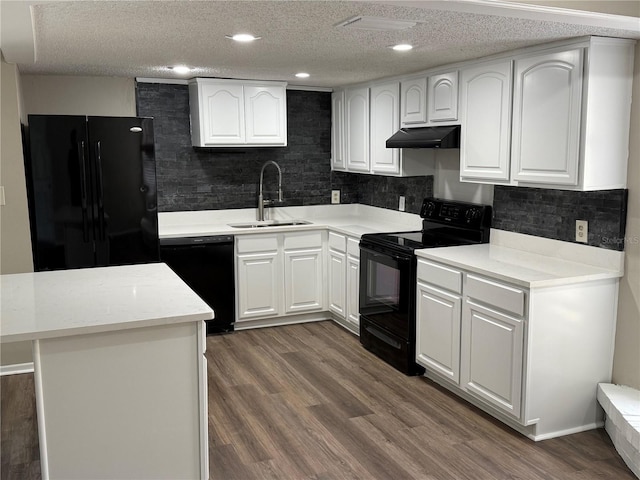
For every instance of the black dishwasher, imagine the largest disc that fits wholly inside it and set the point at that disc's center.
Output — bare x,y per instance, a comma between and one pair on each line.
206,265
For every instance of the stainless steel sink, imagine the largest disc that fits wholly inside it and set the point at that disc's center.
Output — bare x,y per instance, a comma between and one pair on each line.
270,223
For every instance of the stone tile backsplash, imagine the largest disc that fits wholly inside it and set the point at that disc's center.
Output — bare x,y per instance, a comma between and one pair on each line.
211,179
553,214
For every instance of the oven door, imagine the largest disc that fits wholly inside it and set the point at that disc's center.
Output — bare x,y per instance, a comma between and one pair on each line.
386,288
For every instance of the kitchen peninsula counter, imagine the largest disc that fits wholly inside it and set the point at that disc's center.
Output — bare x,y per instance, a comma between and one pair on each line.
532,262
120,372
348,219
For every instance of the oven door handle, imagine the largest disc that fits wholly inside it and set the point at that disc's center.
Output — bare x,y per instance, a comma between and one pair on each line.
384,337
394,256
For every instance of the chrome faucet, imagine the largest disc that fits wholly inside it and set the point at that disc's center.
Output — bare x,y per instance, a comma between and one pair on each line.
261,201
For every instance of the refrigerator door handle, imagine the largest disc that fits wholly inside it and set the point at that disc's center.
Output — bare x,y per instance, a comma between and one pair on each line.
101,225
83,191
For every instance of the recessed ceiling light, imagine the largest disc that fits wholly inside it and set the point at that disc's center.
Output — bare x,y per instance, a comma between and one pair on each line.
302,75
180,69
402,47
242,37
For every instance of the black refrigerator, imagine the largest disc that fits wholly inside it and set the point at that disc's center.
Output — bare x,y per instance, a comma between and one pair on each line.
91,185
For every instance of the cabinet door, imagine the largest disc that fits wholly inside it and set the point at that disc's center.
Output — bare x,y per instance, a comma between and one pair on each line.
303,281
442,100
413,102
223,120
353,290
546,118
485,114
438,319
259,283
265,109
357,129
337,131
385,118
337,278
491,351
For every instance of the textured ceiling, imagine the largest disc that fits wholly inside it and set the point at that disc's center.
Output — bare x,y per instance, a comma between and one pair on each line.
141,38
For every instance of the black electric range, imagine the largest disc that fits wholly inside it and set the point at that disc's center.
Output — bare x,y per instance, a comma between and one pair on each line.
388,275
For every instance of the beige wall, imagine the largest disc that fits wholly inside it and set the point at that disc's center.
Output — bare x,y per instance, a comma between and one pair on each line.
15,240
626,362
67,95
26,94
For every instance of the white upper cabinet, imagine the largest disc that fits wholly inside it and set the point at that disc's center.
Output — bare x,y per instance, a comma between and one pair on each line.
442,100
485,99
266,114
231,113
572,116
357,129
363,118
385,118
546,118
226,128
338,161
429,100
413,102
570,120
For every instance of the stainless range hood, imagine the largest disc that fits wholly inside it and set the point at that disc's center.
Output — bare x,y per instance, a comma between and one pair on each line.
426,137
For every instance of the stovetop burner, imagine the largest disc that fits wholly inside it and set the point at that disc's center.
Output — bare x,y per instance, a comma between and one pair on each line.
445,223
412,240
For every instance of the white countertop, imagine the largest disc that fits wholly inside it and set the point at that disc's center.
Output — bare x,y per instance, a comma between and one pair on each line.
93,300
350,219
517,259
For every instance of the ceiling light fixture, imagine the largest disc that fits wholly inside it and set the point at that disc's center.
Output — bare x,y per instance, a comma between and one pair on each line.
302,75
402,47
180,69
242,37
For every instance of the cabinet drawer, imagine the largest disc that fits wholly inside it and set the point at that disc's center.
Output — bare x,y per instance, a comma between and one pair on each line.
505,297
256,243
440,275
353,247
337,241
302,240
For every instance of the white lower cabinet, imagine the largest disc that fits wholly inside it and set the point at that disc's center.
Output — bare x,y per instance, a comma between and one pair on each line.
353,291
258,269
303,277
530,356
470,331
492,347
337,282
344,279
279,274
438,331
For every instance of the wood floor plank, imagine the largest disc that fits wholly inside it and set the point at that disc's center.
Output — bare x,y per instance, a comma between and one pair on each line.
335,393
307,402
373,457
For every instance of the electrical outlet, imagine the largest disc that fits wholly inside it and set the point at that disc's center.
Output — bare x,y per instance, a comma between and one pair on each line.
401,204
335,196
2,201
582,231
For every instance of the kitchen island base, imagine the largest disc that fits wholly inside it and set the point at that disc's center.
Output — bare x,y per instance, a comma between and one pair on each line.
123,404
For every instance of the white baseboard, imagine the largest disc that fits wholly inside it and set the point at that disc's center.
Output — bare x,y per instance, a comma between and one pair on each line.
16,369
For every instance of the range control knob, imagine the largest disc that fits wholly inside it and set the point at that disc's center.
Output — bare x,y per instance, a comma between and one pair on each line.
429,209
472,214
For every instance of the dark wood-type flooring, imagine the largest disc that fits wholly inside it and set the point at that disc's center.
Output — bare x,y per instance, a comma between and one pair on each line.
308,402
